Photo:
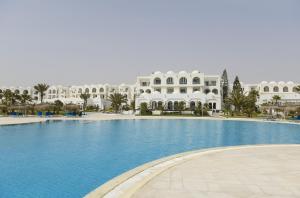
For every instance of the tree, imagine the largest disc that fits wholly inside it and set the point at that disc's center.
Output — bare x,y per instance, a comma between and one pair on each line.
85,97
181,106
41,88
58,105
25,98
144,109
249,105
117,100
224,85
276,98
237,96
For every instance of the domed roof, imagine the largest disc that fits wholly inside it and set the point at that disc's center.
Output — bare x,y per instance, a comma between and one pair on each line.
272,82
281,83
170,72
182,72
157,72
264,82
122,85
195,72
290,83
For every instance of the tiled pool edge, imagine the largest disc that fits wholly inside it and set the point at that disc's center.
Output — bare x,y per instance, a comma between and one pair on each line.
128,183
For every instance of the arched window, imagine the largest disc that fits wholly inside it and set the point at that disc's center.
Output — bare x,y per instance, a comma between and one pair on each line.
94,90
1,91
266,89
206,91
154,105
275,89
148,91
141,91
25,92
192,105
182,81
169,80
170,105
285,89
196,80
101,89
157,81
80,90
295,89
50,91
53,91
215,91
87,90
17,91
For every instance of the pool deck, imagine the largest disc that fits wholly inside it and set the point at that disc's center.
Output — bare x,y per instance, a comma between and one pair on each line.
231,172
102,116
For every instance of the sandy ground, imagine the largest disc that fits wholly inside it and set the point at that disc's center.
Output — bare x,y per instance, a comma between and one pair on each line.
102,116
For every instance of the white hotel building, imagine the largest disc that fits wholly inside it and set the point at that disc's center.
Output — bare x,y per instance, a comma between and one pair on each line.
164,89
170,88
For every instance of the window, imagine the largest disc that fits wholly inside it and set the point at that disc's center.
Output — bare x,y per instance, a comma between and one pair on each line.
215,91
275,89
206,91
144,84
87,90
101,90
94,90
79,90
1,91
50,91
17,91
196,80
170,90
169,81
285,89
24,92
183,90
182,81
266,89
141,91
157,81
206,83
157,89
196,89
213,83
295,89
148,91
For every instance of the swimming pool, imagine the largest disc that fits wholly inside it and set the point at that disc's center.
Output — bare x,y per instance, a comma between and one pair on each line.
71,158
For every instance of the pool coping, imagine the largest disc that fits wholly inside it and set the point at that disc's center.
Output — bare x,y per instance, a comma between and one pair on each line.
126,184
32,120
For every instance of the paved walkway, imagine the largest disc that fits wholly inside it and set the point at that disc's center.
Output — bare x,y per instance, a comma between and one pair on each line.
252,172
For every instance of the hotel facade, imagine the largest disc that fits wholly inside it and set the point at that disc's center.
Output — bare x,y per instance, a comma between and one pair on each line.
164,90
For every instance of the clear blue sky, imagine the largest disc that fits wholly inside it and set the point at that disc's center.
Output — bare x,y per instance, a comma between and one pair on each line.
75,42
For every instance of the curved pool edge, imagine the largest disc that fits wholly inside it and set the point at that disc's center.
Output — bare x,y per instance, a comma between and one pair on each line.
126,184
4,121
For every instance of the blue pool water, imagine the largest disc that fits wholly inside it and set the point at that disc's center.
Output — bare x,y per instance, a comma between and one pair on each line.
71,158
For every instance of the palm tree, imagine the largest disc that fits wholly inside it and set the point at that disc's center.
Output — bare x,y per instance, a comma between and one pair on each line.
41,88
276,98
24,98
85,97
117,100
